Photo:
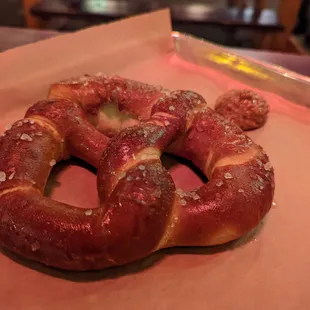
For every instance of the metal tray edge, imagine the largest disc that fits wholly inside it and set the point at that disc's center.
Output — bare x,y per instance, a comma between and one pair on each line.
258,73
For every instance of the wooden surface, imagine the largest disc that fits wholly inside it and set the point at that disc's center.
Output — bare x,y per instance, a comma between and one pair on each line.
13,37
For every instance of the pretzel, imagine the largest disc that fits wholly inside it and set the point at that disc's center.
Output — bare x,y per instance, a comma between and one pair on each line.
141,211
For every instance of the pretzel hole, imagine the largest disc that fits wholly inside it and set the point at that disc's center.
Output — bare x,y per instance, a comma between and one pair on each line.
73,182
184,173
111,120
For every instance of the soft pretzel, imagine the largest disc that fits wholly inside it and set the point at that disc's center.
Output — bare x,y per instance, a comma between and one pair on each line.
141,210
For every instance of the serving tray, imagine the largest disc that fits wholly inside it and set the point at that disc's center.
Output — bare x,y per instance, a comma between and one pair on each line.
267,269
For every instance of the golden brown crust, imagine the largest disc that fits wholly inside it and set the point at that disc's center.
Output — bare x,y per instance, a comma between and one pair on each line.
141,210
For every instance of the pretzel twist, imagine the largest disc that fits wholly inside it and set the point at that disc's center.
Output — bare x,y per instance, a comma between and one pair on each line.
141,210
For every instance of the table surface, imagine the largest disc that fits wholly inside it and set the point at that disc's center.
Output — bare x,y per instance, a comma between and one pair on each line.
14,37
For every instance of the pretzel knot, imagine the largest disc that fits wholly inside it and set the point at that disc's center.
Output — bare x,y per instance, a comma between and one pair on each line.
122,127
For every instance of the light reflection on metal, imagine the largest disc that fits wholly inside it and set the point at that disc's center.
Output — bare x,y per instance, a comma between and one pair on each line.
236,63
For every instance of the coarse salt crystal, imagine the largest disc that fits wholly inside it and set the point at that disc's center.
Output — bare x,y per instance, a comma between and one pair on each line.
183,202
157,193
195,197
26,137
180,192
268,166
52,162
220,183
228,175
241,190
11,176
141,167
2,176
89,212
31,122
35,246
167,123
171,108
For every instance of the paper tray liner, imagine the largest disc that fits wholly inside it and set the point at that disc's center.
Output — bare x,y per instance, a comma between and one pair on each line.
267,270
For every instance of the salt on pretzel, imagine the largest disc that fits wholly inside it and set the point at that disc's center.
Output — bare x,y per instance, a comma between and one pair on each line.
141,210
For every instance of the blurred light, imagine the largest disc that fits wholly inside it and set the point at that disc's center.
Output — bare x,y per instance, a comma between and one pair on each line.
198,10
104,6
95,5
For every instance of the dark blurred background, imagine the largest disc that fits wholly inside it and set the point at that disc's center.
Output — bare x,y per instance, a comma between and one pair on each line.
280,25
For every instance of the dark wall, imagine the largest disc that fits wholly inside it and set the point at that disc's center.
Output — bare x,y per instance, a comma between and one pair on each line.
11,13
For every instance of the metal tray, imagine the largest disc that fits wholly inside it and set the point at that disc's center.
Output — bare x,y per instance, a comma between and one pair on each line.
263,75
